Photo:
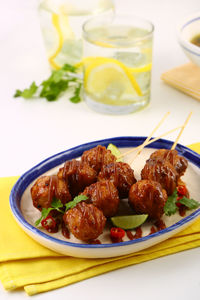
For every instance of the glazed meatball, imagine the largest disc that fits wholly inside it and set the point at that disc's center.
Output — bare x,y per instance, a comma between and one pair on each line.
85,221
120,174
97,157
148,197
104,195
179,162
78,175
162,172
48,187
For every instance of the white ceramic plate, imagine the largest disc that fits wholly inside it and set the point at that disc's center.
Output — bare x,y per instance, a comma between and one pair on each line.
26,215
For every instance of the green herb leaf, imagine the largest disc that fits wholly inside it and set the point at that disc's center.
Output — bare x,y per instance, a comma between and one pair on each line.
27,93
189,203
38,221
56,204
44,214
75,201
170,207
76,98
57,83
69,68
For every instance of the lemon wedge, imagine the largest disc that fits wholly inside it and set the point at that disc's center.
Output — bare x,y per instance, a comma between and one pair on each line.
104,75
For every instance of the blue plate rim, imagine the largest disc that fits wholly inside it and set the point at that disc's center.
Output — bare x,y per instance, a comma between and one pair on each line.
57,159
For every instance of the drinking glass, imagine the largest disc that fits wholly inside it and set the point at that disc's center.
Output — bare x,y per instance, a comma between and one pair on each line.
61,24
117,63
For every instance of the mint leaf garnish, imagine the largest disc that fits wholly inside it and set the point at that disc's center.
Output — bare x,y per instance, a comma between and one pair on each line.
75,201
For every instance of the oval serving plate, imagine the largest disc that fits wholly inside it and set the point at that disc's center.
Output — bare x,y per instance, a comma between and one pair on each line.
26,215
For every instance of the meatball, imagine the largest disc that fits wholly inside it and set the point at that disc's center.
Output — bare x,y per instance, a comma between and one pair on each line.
48,187
85,221
120,174
97,157
179,162
148,197
78,175
162,172
104,195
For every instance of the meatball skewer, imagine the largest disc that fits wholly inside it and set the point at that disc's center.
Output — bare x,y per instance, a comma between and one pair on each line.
148,197
48,187
120,174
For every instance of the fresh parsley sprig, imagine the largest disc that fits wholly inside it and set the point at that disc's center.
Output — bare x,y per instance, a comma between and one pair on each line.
59,81
189,203
55,205
171,208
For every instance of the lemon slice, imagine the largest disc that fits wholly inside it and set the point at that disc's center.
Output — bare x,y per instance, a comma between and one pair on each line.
105,73
64,33
56,24
145,68
115,151
129,222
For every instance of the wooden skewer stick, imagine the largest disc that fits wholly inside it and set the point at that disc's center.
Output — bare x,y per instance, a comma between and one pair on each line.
148,138
151,141
181,131
152,133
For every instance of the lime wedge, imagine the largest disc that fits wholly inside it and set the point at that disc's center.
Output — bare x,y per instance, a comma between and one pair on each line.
129,222
115,151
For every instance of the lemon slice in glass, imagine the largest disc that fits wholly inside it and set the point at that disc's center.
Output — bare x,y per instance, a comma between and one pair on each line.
115,151
129,222
103,76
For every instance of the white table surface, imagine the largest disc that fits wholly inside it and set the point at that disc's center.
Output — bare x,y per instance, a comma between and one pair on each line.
32,130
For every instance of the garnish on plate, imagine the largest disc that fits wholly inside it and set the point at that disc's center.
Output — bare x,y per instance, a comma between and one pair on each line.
55,205
129,222
59,81
115,151
174,201
75,201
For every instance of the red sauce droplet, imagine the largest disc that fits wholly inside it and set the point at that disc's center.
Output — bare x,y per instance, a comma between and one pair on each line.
94,242
137,235
152,230
116,240
182,210
129,235
160,225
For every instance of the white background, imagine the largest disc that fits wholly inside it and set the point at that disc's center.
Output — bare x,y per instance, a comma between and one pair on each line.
31,130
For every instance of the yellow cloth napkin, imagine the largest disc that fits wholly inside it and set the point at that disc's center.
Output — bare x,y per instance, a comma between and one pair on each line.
185,78
26,264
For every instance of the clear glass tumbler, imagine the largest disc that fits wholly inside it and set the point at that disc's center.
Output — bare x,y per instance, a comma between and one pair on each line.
117,63
61,24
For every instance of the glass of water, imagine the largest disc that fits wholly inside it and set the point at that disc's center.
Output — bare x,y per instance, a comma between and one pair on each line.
61,24
117,63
